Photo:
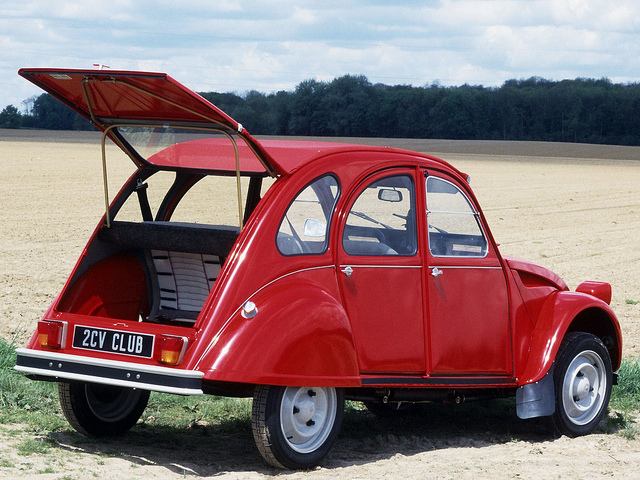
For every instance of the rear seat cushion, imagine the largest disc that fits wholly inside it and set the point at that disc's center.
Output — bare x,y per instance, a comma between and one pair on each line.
184,283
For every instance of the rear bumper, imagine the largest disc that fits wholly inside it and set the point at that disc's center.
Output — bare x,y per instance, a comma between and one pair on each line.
60,366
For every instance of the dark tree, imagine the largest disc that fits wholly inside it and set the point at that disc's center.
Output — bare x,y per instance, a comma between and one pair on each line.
580,110
10,117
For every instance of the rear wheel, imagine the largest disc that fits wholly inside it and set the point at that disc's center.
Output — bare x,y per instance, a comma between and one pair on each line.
101,410
582,379
295,427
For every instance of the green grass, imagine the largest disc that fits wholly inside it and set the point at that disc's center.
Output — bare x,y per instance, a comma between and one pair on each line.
23,400
226,415
626,395
180,422
36,404
37,446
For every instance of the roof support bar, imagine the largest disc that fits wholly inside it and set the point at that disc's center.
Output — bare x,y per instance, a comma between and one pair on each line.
224,132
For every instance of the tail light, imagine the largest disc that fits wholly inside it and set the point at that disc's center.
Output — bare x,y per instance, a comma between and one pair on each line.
52,334
171,349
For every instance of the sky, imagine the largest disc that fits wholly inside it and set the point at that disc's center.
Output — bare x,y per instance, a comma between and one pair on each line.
268,46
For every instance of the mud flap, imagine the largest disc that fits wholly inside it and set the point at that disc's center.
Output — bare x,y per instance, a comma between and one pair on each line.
536,399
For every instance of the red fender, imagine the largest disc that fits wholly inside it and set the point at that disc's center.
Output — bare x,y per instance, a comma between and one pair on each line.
564,311
299,336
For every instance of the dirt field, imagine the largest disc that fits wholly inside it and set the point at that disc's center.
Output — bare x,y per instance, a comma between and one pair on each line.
572,208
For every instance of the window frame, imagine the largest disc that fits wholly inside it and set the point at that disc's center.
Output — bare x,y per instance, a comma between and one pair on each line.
473,212
331,213
378,178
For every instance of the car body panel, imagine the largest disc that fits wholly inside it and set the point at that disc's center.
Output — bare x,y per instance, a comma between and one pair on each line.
366,298
560,310
317,348
470,334
115,95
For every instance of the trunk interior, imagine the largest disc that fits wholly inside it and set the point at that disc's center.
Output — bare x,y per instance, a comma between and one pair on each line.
159,272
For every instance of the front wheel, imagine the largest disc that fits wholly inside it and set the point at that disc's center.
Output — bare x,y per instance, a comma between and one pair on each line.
101,410
295,427
582,379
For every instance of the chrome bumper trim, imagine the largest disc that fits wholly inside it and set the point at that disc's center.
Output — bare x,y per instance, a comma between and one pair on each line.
108,372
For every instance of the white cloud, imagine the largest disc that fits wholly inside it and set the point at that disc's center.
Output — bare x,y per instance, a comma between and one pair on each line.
267,45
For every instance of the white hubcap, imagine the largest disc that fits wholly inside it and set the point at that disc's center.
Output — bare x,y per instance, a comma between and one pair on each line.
584,387
307,416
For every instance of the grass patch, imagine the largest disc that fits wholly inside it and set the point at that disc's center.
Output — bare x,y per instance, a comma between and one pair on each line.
23,400
628,301
626,395
169,421
35,446
227,415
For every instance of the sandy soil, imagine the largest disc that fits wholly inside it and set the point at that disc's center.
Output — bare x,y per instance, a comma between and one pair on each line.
572,208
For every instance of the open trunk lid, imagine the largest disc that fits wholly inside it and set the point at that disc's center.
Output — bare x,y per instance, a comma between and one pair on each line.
113,97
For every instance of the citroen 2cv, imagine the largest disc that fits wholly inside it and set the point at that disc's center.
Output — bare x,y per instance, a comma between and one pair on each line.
343,272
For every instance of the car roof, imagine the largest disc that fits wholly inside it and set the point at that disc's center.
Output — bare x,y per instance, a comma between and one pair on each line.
215,155
218,155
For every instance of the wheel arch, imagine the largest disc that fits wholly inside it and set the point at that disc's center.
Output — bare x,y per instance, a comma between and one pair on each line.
599,322
300,335
566,312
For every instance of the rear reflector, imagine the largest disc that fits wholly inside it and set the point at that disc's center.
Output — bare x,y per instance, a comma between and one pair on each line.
171,349
52,334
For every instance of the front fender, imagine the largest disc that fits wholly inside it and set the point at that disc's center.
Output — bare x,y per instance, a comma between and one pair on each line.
569,311
300,336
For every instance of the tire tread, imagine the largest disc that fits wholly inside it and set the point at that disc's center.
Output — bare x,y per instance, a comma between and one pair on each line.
77,411
67,404
566,352
261,433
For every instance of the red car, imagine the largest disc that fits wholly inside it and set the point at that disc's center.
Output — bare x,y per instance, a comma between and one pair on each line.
301,274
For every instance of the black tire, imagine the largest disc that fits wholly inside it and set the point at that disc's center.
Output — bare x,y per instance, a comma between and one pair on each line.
101,410
582,381
295,427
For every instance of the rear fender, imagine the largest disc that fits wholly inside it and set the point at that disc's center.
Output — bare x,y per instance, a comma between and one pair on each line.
300,335
565,312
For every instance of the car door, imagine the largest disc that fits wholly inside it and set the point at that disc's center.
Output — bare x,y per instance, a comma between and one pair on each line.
468,303
381,275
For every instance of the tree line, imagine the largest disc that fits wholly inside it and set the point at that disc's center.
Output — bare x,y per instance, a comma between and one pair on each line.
581,110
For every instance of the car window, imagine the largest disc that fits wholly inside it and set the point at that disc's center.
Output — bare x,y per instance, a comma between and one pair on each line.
211,201
382,220
154,189
454,229
305,226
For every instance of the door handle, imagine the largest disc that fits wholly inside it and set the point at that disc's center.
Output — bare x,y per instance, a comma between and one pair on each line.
436,272
348,271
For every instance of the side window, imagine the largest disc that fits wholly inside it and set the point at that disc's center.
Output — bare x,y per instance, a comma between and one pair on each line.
304,228
454,229
156,188
382,220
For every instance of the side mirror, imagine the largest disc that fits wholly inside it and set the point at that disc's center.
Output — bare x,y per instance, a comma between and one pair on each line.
314,228
389,195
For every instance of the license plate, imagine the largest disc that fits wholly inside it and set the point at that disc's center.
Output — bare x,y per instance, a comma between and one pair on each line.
113,341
